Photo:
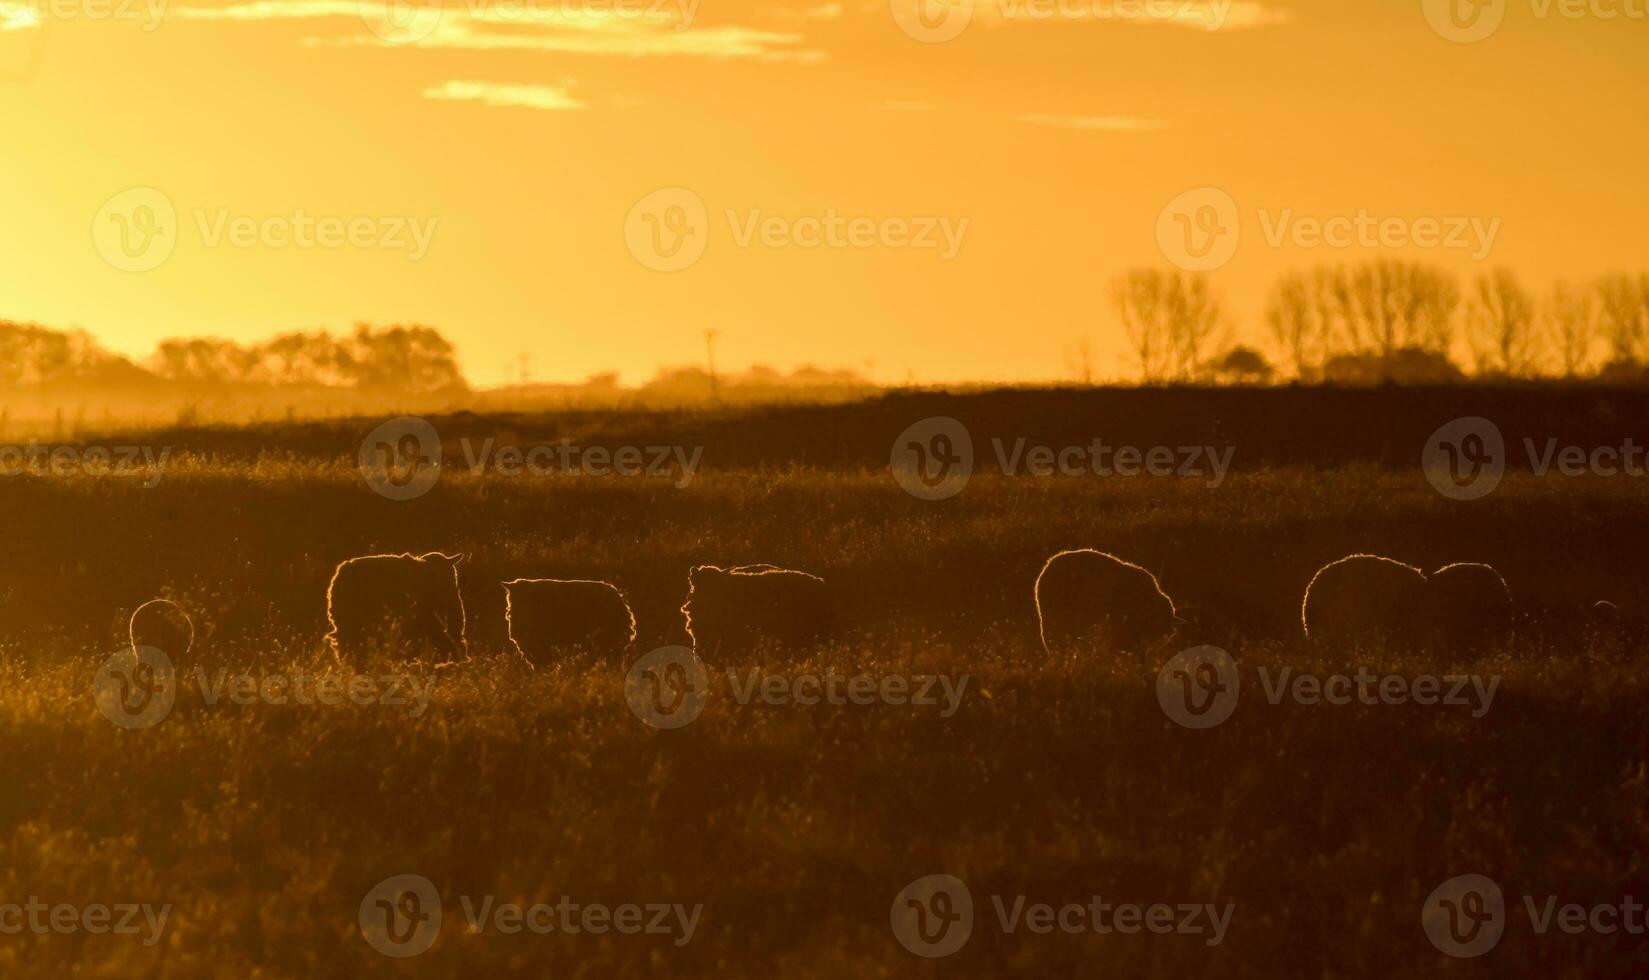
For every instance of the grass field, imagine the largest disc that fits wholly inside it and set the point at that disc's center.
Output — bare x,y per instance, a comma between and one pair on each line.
1324,827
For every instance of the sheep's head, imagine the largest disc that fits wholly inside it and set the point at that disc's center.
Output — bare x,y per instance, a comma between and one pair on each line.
440,591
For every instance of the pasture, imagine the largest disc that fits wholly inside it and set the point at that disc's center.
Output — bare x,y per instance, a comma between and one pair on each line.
791,825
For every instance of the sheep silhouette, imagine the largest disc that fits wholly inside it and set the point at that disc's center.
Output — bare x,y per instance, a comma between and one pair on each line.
1091,601
399,604
1468,607
743,608
550,617
162,624
1363,600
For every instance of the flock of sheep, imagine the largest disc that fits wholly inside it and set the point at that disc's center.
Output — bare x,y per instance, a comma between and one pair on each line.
1086,601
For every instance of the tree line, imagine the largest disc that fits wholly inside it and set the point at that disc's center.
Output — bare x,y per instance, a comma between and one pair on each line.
1387,319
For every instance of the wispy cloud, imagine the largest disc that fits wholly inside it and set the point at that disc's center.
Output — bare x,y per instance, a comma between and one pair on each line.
1110,124
18,18
1204,15
658,30
552,98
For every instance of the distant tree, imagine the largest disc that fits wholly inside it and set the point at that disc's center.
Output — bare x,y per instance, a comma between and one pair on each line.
1170,319
1079,360
202,359
1291,315
34,355
1623,314
1242,365
1196,322
1141,305
1500,324
1570,317
1390,304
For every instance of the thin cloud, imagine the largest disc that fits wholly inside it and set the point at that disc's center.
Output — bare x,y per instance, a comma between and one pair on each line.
14,18
1203,15
631,40
1109,124
550,98
660,30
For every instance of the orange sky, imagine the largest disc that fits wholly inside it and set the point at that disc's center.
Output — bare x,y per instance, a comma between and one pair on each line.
519,134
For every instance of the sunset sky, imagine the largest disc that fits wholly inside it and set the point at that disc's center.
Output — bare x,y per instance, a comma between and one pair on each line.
519,134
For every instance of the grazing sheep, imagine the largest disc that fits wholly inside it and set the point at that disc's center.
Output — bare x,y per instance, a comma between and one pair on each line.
1609,627
1364,600
547,616
406,604
1468,607
740,608
1089,601
163,625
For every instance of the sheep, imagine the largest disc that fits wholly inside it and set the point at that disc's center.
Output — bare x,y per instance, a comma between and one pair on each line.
547,615
406,603
1468,607
1087,600
161,624
738,609
1364,600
